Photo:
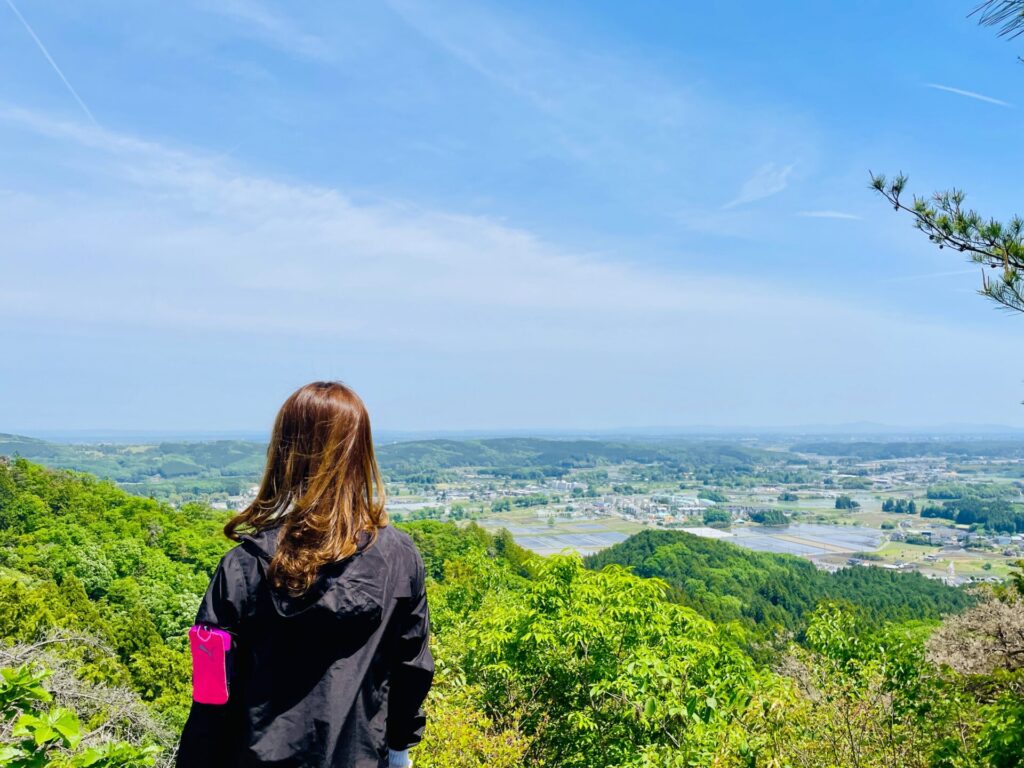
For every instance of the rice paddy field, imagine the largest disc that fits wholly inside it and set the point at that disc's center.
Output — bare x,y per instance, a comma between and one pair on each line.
807,540
589,536
584,536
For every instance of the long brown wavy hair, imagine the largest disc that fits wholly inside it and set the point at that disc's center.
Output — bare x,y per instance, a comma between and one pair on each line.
321,484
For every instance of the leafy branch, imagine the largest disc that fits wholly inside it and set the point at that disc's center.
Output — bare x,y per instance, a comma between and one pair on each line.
989,243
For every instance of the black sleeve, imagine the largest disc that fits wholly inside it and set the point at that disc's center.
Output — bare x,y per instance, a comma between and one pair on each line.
212,731
412,669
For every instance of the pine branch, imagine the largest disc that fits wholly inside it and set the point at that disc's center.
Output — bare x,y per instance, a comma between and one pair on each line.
988,243
1008,15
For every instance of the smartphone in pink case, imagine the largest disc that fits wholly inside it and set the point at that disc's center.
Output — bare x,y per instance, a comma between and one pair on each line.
211,648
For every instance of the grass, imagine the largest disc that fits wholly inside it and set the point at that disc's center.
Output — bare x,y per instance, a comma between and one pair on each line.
966,563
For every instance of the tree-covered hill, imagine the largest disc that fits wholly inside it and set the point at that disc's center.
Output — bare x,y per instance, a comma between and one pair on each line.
541,661
185,471
170,471
134,463
728,583
531,451
128,463
514,455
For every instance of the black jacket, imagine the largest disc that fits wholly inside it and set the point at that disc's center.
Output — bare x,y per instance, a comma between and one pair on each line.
328,680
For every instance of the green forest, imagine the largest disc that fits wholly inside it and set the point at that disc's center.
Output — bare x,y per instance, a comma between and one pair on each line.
560,454
663,651
171,471
769,592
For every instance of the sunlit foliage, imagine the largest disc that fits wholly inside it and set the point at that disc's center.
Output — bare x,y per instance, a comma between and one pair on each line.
541,661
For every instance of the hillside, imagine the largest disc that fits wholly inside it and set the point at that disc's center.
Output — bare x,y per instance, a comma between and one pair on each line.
179,471
185,471
541,661
537,452
129,463
134,463
243,458
770,591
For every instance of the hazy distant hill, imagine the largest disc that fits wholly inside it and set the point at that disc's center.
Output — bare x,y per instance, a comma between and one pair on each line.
135,463
29,447
876,450
179,471
538,452
125,462
185,470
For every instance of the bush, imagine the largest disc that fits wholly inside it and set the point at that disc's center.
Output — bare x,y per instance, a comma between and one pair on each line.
769,517
717,517
37,734
712,495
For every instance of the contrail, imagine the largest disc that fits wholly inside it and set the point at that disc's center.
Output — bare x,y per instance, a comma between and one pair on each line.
958,92
929,275
53,63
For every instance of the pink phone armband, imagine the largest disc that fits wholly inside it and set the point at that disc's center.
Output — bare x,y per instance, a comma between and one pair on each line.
210,650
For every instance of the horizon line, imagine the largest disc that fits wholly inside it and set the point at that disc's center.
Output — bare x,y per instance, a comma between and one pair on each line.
858,429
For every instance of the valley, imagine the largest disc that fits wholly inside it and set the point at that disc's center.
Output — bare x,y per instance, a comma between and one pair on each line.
837,503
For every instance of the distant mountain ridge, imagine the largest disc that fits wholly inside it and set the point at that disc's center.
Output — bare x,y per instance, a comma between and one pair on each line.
243,459
538,452
851,430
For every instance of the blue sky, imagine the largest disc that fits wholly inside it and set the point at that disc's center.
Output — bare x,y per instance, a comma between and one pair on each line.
524,215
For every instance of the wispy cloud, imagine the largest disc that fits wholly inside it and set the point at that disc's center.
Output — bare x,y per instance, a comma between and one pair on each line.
49,58
829,215
318,274
620,119
307,244
768,180
403,256
499,50
930,275
969,94
276,29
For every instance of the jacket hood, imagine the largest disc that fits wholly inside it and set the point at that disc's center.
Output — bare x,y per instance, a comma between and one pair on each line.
349,593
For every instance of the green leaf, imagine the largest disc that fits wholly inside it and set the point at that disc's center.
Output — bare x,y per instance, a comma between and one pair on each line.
650,708
9,752
66,723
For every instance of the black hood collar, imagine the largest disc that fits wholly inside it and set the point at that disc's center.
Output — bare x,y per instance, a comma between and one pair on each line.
348,591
